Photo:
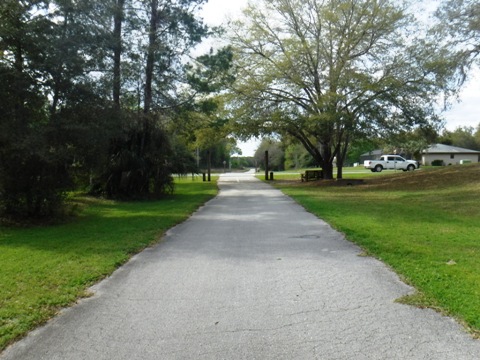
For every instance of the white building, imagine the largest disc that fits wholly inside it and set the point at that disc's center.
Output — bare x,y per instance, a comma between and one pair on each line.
449,155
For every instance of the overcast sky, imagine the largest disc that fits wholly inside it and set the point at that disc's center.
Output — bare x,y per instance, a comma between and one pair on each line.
464,113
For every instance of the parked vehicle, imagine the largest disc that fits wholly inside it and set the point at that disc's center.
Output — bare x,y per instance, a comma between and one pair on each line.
391,162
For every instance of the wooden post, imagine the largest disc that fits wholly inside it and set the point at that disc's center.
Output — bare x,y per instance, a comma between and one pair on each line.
209,161
266,165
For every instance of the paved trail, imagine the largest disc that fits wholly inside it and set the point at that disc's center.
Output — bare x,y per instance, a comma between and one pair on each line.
250,276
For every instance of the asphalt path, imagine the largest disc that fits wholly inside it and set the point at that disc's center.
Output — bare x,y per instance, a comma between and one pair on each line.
251,275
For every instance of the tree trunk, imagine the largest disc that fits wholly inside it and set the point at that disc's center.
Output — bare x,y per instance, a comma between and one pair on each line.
339,169
117,50
340,161
148,95
327,165
341,156
152,42
327,170
19,96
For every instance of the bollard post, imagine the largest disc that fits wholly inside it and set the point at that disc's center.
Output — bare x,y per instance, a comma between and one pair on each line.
271,175
266,165
209,160
204,177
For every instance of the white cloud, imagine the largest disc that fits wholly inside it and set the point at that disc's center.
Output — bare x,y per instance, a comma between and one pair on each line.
217,12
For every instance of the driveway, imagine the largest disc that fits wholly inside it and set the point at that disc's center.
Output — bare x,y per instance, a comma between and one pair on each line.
251,275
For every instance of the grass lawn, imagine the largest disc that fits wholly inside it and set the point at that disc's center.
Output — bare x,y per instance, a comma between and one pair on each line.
425,225
43,269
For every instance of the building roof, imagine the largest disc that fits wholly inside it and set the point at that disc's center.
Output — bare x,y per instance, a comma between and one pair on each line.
447,149
373,152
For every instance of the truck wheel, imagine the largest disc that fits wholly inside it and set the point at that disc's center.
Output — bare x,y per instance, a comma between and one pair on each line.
378,168
373,170
411,167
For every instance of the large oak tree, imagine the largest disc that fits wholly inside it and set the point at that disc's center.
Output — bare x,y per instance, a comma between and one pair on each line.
326,71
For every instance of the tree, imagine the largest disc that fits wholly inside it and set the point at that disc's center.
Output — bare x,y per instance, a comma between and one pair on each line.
465,137
144,157
33,176
207,132
360,147
202,123
86,89
410,143
276,156
459,29
477,136
58,119
296,157
326,72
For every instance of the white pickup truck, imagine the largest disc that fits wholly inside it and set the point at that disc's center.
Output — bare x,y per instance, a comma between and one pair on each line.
392,162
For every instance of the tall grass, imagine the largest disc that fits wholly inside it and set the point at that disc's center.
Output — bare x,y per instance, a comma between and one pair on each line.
425,225
43,269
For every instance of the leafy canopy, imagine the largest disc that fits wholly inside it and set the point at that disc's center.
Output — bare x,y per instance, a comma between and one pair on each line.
326,71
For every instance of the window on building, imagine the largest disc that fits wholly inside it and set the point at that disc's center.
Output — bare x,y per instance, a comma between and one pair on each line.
452,156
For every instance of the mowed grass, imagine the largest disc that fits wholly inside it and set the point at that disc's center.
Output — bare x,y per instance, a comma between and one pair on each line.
43,269
425,225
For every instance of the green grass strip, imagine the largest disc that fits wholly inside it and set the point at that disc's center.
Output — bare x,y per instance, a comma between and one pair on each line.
43,269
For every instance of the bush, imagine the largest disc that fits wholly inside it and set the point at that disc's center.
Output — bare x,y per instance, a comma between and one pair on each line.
139,167
32,187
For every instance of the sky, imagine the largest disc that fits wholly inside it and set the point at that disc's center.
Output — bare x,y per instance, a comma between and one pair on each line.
465,112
